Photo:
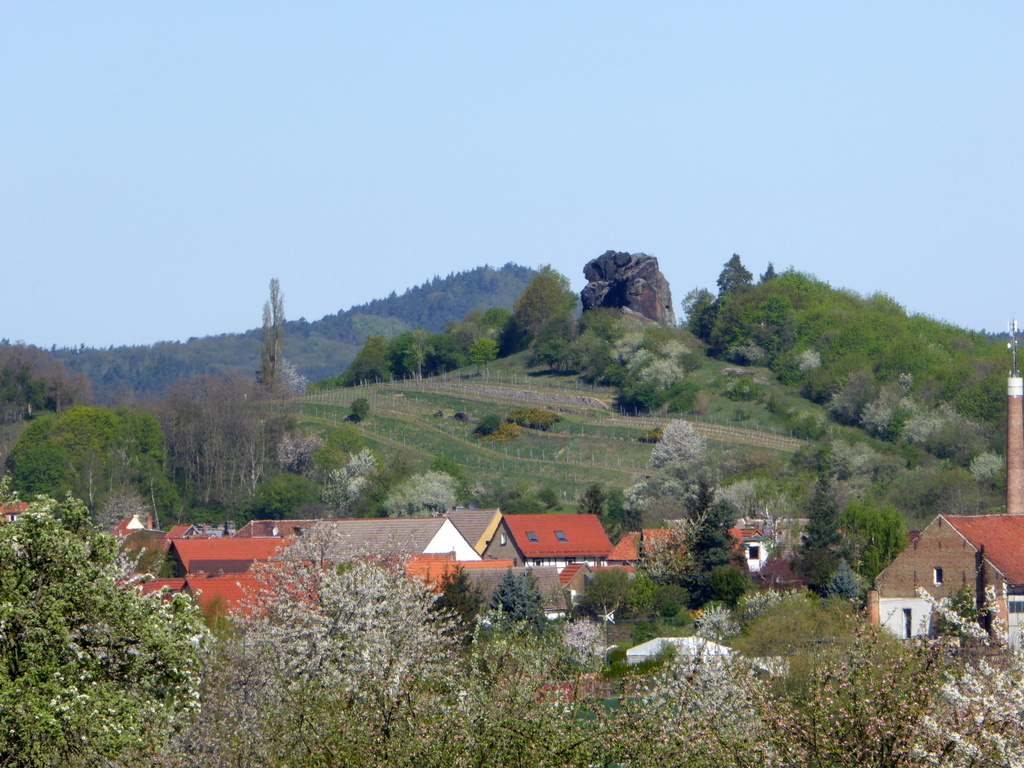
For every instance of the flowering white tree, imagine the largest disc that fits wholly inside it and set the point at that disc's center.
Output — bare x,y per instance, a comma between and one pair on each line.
584,638
295,452
696,712
344,486
979,716
432,493
332,666
292,381
679,442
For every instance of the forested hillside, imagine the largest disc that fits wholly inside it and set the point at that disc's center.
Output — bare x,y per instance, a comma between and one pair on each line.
317,349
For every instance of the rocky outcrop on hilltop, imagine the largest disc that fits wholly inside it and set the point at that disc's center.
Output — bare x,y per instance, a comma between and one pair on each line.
630,282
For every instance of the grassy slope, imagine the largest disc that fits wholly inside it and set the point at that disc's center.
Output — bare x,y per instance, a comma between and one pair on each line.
592,443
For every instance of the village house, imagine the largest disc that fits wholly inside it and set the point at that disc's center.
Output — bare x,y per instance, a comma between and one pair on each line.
274,529
9,512
478,526
222,555
951,554
341,540
554,540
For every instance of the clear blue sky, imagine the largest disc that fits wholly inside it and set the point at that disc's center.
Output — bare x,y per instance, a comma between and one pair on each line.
161,161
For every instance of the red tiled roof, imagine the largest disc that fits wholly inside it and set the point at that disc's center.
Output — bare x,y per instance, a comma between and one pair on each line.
177,531
219,550
628,548
583,535
174,585
626,568
11,511
433,569
233,591
1002,536
566,574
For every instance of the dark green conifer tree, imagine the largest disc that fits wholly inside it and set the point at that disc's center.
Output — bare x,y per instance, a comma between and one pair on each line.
519,602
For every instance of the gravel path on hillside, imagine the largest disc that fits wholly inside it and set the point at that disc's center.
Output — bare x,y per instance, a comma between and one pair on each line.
535,397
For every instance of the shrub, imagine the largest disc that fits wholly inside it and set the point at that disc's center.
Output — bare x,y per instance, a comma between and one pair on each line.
360,409
488,425
533,418
506,431
652,435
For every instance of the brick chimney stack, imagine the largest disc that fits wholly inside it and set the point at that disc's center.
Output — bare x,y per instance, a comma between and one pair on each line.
1015,445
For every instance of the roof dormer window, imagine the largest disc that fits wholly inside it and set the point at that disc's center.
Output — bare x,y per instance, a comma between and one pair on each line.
532,536
560,535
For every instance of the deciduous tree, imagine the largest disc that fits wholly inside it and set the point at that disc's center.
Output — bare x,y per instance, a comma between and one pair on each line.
92,673
679,443
547,296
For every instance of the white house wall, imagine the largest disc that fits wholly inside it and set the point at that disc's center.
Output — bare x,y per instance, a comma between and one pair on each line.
449,540
891,615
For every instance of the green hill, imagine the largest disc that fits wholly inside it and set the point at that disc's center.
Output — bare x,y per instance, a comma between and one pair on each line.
789,380
318,349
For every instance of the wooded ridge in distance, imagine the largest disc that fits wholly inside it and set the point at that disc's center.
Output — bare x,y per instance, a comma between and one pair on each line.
317,348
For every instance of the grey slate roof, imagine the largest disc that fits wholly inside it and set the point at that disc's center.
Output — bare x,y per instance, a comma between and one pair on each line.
340,540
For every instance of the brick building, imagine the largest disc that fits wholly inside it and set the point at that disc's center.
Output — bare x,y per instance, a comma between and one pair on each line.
951,554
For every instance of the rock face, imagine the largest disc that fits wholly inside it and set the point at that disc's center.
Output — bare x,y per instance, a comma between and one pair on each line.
631,282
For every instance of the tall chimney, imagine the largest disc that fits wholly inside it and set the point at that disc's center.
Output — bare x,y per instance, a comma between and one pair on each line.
1015,445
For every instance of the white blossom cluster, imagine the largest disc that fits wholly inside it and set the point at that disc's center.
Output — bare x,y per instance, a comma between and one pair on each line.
679,443
432,493
344,486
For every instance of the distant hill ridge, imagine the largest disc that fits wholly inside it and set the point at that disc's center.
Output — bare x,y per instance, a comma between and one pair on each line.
318,349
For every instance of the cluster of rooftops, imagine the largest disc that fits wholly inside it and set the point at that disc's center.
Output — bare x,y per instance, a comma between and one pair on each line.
980,554
219,563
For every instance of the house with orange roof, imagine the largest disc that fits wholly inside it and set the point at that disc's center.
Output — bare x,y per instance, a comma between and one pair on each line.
554,540
575,578
9,512
222,555
434,569
220,593
230,593
753,544
951,554
750,541
155,585
627,551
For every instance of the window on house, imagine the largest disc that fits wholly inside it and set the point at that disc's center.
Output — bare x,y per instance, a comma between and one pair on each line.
532,536
1017,605
938,576
504,540
753,552
570,560
908,623
560,535
538,561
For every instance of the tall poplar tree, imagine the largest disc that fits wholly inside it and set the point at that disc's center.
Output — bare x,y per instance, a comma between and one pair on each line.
273,331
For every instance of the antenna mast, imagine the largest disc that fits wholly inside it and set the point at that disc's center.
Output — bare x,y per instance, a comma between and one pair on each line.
1012,346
